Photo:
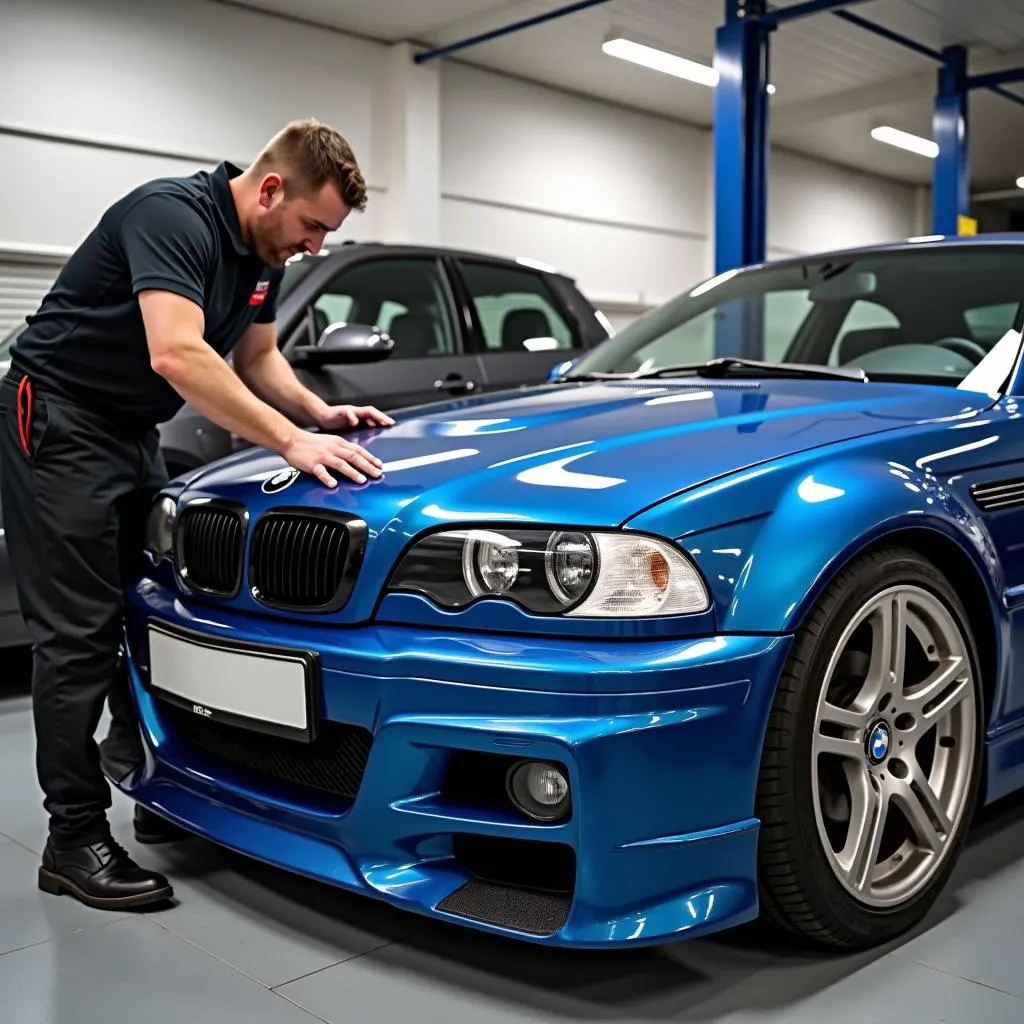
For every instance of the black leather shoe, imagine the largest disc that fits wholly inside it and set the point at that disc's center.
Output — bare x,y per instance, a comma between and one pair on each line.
101,875
151,828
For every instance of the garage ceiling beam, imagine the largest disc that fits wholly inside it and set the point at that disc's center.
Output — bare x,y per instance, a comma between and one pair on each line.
781,15
518,26
997,78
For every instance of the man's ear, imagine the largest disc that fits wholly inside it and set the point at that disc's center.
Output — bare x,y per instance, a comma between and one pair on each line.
270,189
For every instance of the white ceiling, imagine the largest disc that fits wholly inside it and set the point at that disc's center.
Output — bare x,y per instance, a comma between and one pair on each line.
834,81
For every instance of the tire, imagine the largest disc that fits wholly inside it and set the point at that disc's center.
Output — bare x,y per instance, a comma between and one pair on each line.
813,879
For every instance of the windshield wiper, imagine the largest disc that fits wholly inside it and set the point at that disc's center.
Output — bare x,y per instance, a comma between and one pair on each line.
726,364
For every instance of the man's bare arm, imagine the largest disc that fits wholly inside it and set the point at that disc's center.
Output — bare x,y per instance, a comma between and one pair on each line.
259,363
179,353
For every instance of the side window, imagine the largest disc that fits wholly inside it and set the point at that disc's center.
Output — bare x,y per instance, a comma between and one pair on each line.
406,298
516,309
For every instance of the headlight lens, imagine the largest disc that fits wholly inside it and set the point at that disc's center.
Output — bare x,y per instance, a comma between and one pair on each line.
159,540
569,572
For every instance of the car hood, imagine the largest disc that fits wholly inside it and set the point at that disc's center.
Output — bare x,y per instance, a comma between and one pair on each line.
591,454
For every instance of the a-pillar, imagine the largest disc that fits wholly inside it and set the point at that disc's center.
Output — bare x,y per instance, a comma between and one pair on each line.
407,150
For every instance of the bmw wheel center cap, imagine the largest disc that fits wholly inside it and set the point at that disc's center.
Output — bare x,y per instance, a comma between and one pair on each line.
879,742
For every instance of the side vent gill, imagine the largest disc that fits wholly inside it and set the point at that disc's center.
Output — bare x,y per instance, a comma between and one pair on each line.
998,495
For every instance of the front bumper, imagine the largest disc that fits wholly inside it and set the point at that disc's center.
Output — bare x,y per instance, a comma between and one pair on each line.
660,742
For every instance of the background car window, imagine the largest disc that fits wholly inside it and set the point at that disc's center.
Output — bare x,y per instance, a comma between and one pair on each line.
516,309
406,298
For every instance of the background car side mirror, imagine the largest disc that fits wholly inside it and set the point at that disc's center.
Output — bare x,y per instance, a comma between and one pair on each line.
345,343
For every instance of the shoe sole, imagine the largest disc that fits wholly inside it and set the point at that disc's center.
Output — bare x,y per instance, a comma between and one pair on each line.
58,885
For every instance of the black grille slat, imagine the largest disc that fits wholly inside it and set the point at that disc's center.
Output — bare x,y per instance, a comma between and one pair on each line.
299,560
333,763
210,548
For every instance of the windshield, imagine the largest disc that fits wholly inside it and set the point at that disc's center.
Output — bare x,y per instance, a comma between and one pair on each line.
924,316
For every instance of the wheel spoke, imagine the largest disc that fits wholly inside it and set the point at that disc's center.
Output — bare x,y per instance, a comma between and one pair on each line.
867,823
840,746
948,686
926,815
888,650
846,718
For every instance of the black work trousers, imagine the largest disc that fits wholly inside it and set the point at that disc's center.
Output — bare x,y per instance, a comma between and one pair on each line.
75,490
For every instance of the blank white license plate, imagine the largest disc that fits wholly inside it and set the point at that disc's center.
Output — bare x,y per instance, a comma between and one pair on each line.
257,687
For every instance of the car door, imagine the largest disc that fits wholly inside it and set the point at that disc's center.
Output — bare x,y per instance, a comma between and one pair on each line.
522,330
408,297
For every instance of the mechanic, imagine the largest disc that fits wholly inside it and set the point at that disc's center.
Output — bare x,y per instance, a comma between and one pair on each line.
175,275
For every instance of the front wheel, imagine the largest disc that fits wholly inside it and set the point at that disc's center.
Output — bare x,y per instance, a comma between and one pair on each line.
872,757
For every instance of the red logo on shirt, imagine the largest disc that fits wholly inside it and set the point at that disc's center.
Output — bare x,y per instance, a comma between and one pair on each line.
258,296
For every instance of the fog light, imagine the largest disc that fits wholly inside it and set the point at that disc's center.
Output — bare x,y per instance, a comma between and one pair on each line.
539,790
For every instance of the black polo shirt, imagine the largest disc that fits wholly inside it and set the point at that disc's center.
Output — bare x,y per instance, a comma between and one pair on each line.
87,340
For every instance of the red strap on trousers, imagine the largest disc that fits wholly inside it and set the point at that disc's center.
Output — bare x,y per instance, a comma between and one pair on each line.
25,414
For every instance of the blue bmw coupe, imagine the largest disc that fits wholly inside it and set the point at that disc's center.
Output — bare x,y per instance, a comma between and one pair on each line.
722,621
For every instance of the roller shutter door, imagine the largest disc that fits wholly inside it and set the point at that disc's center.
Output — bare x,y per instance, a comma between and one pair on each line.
23,283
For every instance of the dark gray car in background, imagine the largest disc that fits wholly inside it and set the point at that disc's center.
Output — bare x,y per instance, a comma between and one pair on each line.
392,326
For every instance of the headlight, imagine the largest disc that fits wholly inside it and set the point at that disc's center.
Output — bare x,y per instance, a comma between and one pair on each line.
568,572
159,539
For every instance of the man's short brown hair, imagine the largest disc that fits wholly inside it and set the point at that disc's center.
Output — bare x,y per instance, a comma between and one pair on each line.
308,155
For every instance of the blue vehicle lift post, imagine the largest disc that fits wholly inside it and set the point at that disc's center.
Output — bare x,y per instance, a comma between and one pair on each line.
951,177
741,133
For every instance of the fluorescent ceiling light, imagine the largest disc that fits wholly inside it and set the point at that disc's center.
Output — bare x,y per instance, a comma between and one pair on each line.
659,60
904,140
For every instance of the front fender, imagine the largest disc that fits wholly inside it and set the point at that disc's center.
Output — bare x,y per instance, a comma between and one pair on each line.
803,521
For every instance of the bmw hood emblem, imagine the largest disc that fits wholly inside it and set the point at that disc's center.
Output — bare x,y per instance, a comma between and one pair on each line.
280,480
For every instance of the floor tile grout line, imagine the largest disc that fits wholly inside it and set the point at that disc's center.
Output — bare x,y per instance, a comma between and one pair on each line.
67,935
256,981
18,842
346,960
220,961
952,974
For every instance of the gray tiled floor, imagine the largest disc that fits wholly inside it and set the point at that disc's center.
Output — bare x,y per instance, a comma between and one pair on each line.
247,943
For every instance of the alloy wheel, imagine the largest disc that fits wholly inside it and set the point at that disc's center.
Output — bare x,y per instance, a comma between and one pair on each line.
893,746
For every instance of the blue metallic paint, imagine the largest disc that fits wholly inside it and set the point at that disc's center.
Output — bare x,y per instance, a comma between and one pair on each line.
770,487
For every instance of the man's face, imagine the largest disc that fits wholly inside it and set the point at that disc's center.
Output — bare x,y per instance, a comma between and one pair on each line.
285,226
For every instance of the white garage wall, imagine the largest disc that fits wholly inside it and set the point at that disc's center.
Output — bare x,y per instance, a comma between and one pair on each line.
103,95
621,199
143,88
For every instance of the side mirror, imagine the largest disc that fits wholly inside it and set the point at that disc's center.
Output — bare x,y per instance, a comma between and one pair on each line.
345,343
560,369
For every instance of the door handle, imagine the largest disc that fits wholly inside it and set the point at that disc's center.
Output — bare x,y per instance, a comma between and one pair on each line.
453,383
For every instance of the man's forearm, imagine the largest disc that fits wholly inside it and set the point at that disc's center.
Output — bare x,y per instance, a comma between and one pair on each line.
210,386
271,376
